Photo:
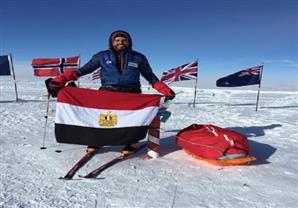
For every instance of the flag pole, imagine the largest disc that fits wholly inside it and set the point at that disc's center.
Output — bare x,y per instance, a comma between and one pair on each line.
258,96
195,91
79,67
46,123
14,77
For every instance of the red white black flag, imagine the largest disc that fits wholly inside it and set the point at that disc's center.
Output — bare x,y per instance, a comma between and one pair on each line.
98,117
49,67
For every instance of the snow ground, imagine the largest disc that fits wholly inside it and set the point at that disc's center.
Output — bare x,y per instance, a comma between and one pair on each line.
29,175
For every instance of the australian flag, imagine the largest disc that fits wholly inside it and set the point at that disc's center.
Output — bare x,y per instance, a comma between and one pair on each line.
185,72
5,65
250,76
48,67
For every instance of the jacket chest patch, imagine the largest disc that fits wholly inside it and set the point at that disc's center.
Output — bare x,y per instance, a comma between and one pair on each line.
109,62
132,64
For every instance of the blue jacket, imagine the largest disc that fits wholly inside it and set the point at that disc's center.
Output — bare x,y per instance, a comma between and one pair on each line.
135,64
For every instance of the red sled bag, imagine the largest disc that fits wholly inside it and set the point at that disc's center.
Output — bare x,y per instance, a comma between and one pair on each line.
215,145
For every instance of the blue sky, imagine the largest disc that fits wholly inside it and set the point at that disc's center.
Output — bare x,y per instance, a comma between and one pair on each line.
225,36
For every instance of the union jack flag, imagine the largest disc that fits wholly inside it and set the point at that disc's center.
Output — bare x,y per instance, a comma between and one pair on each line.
250,76
251,71
185,72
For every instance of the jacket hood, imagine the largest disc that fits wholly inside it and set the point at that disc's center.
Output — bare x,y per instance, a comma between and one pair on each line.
120,33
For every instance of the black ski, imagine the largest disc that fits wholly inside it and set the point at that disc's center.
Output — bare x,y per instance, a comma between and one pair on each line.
90,152
100,169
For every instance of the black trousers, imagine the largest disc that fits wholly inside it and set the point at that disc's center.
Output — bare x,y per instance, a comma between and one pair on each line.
122,88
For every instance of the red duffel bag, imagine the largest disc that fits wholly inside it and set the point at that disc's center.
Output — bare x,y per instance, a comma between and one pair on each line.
215,145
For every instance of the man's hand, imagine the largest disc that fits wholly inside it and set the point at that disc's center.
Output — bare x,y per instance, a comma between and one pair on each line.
57,83
165,90
61,80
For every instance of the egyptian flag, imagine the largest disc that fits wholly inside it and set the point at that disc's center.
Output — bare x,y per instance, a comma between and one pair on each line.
98,117
49,67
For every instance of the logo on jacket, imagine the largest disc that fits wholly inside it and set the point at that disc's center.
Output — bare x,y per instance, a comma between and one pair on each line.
132,64
108,62
107,119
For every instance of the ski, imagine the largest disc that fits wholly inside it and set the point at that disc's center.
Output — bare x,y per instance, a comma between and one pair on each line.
124,154
90,152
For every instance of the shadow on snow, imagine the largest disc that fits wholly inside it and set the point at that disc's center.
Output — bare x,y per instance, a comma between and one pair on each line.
20,101
233,104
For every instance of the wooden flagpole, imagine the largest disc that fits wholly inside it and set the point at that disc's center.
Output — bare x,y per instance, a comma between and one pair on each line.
13,76
195,91
258,96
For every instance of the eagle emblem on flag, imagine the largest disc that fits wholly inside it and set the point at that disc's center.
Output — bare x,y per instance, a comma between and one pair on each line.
107,119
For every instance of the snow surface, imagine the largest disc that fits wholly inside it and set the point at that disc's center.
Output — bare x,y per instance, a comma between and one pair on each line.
29,175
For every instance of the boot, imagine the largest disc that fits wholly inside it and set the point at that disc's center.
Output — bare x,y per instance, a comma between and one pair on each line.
130,148
91,149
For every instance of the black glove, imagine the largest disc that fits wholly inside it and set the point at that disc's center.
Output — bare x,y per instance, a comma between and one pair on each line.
53,91
71,84
171,97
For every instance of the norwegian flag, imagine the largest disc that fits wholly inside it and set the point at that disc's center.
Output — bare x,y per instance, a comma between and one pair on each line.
48,67
250,76
185,72
96,74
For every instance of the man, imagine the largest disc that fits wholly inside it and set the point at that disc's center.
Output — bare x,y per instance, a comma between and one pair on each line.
120,71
